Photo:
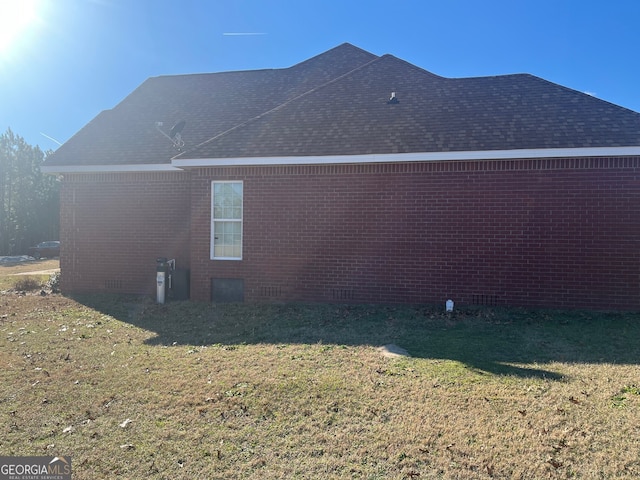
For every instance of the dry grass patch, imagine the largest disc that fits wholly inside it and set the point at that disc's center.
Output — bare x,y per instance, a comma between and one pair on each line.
12,276
131,389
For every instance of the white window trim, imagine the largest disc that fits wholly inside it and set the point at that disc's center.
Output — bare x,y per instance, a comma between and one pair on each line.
241,221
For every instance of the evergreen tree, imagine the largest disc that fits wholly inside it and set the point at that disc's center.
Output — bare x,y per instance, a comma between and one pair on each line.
29,199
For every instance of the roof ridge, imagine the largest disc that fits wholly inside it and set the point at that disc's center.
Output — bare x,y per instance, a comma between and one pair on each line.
278,107
206,74
577,93
252,70
536,78
338,47
412,66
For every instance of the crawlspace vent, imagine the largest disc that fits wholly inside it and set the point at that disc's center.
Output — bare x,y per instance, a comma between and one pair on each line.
270,291
342,294
489,300
113,284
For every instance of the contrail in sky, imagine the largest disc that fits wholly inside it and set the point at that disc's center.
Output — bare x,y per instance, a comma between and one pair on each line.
50,138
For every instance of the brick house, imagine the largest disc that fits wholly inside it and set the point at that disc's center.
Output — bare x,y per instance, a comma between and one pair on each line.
352,177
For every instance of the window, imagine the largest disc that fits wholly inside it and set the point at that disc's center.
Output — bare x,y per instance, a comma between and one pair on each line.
226,220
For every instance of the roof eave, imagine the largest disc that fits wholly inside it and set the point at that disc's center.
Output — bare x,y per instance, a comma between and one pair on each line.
129,168
180,164
185,163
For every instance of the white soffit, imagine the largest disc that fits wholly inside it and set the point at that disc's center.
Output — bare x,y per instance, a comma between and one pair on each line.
411,157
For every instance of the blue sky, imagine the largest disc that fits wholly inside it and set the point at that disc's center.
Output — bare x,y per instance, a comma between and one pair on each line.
74,58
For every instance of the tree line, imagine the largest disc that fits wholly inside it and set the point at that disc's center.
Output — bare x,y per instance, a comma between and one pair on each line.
29,199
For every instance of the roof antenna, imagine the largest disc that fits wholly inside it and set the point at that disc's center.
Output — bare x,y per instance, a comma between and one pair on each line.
174,134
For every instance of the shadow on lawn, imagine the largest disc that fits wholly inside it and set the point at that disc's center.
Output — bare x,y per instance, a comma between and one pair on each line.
495,340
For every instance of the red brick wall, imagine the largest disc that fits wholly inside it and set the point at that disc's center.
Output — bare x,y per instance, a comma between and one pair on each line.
114,226
551,232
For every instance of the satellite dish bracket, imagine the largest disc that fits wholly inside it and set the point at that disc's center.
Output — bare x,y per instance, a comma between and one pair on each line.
175,137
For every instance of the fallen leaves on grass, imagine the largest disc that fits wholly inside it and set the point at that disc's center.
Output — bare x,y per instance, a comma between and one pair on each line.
554,463
125,423
279,402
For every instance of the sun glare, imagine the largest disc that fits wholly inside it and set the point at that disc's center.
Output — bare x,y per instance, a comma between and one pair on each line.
15,17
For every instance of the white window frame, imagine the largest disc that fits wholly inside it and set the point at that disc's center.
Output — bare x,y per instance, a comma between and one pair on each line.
214,220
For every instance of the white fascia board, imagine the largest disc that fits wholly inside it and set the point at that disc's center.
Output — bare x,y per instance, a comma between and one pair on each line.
162,167
180,164
410,157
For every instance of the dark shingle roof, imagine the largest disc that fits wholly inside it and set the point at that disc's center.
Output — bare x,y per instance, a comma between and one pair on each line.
209,103
336,104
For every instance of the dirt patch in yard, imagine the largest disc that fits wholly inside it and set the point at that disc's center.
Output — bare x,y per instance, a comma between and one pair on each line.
38,272
28,267
27,275
393,351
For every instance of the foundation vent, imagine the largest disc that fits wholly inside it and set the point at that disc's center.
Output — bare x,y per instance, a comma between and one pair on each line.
488,300
113,284
270,291
342,294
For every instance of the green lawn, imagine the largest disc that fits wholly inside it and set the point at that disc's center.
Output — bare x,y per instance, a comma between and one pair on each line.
135,390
